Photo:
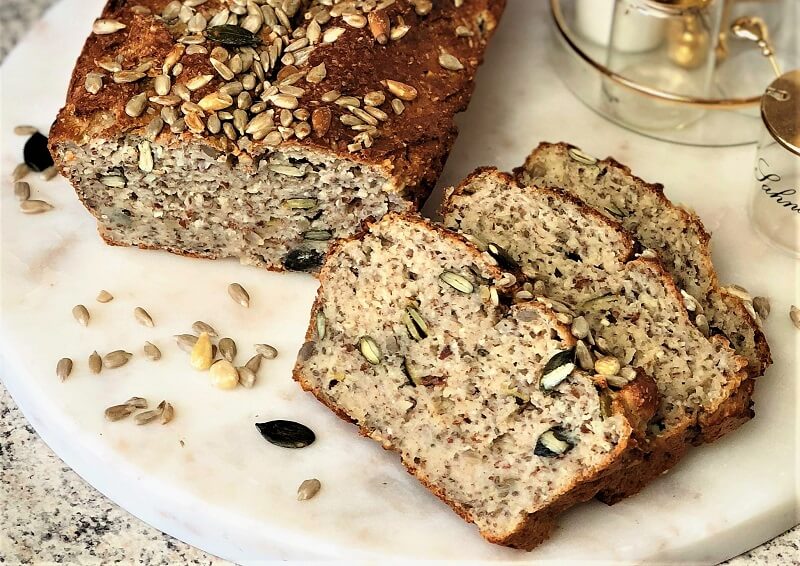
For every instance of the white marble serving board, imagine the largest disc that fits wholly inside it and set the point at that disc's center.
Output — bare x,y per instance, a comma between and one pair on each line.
231,493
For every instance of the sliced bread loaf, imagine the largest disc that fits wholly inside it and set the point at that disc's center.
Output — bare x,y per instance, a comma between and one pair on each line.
411,339
675,233
634,313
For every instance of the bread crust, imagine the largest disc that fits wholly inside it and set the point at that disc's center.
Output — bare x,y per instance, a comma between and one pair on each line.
656,454
636,402
412,148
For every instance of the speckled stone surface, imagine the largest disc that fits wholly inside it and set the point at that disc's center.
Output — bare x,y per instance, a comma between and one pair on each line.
48,514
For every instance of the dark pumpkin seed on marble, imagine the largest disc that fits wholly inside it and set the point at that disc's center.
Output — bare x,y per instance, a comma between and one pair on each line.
286,434
37,155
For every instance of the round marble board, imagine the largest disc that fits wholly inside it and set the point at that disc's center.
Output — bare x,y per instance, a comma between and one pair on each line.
208,478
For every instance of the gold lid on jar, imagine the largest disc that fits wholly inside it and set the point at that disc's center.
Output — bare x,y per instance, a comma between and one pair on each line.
780,110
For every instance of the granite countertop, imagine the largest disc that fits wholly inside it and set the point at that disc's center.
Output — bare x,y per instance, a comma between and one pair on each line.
48,514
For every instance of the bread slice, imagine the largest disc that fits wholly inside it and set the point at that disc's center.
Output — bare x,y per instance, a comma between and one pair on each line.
411,339
675,233
634,310
263,132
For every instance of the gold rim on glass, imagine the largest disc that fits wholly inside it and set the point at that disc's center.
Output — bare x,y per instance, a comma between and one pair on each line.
563,29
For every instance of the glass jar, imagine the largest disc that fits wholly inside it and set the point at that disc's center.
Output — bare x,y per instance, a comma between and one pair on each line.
774,207
668,45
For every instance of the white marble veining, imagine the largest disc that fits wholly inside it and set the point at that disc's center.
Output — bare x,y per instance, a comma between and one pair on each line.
226,490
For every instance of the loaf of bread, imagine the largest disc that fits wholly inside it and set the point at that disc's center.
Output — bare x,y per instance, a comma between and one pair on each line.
634,313
674,232
412,339
263,129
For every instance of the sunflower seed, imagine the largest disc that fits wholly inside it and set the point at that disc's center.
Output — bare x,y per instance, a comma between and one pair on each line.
95,362
25,130
457,282
331,96
402,91
222,69
247,377
321,120
267,351
146,416
105,27
239,294
167,412
702,325
115,359
125,77
136,105
93,83
580,328
227,349
22,190
289,171
35,206
81,314
397,106
583,356
104,297
398,32
330,35
463,31
199,82
151,351
162,85
762,307
286,434
557,369
254,363
581,157
143,317
308,489
50,173
370,350
202,354
137,402
450,62
145,157
63,368
199,327
422,7
318,235
119,412
794,316
215,101
224,375
607,365
186,342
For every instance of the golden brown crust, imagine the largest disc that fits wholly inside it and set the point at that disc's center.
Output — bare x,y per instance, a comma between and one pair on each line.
413,146
636,402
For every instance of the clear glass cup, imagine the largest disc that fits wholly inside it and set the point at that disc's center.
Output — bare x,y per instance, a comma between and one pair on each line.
774,207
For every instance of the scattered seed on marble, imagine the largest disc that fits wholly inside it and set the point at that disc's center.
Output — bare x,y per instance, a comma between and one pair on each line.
254,363
151,351
308,489
25,130
186,342
137,402
267,351
286,434
104,297
143,317
762,307
227,349
247,377
119,412
50,173
63,368
115,359
224,375
22,190
199,327
167,412
95,362
81,314
202,353
239,294
35,206
146,416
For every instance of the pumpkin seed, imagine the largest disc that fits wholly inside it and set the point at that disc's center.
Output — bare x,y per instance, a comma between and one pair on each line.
411,374
239,294
152,351
286,434
503,258
224,375
143,317
227,349
762,307
137,402
581,157
35,206
118,412
232,35
301,259
416,325
186,342
369,349
95,362
457,282
557,369
81,314
202,355
199,327
552,443
300,203
247,377
308,489
63,368
321,324
167,412
115,359
318,235
146,416
254,363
